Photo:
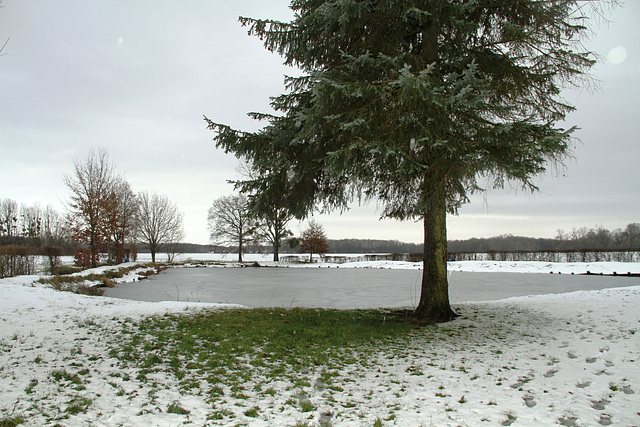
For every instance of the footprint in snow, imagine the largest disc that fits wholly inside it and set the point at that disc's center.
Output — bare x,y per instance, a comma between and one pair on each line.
550,373
521,381
627,390
568,421
572,355
599,405
553,361
605,420
510,420
529,401
583,384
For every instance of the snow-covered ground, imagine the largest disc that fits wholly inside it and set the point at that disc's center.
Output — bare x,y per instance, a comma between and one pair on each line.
571,359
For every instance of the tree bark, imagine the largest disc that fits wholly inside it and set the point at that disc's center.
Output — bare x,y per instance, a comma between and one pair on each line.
434,296
276,237
93,247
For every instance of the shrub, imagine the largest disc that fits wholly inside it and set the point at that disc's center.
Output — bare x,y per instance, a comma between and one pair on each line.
65,270
147,273
93,291
53,253
17,260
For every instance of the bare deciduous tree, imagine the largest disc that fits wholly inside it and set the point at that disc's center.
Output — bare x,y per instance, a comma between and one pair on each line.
53,230
173,245
8,219
121,212
5,43
160,222
271,213
231,222
31,221
30,225
314,240
273,229
91,186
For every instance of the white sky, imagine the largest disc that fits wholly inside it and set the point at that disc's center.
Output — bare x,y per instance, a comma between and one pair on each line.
135,78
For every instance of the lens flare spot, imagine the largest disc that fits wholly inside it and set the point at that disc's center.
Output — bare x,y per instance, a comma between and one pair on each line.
617,55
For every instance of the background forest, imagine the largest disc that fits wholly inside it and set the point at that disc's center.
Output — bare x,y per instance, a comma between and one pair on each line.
576,239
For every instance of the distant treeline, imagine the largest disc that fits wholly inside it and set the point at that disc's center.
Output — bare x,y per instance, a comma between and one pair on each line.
342,246
360,246
597,238
577,239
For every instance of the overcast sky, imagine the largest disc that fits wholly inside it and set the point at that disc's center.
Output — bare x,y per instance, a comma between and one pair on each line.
135,78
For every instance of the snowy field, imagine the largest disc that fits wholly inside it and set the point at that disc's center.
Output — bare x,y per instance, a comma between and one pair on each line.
468,266
571,359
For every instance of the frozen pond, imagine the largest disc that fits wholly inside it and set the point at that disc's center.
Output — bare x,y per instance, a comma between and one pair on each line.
343,287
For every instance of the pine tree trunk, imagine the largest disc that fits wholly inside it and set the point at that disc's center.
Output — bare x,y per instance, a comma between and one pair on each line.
434,297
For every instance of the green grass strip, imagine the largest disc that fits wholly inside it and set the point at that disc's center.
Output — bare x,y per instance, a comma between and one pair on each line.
274,341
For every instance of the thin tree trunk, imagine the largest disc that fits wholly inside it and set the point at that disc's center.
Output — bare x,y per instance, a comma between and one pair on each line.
276,238
434,297
93,247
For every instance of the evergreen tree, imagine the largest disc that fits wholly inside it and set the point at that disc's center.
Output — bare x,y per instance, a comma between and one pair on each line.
417,104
